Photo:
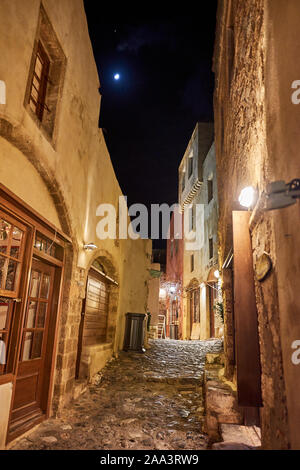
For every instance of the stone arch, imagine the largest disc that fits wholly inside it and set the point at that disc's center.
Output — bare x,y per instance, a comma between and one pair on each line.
18,137
106,260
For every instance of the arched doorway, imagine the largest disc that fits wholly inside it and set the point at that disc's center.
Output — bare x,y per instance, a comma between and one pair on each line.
194,309
95,338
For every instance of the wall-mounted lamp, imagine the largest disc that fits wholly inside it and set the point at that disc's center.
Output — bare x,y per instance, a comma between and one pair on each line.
162,292
2,92
90,246
217,274
280,194
247,197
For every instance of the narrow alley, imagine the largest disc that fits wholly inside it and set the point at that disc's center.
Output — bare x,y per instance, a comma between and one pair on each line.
149,228
139,401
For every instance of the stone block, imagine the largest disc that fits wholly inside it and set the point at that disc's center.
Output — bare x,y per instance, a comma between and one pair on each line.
231,446
248,435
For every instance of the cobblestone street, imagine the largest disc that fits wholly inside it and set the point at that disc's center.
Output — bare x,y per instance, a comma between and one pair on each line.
139,401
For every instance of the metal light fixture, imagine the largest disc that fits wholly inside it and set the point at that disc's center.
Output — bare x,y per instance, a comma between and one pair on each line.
90,246
280,194
247,197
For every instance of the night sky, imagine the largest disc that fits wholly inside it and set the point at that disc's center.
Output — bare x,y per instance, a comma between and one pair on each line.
164,59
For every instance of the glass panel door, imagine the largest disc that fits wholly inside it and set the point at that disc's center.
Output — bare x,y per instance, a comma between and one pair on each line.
36,314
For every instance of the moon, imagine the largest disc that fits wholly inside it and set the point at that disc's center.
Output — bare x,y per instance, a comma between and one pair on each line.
117,76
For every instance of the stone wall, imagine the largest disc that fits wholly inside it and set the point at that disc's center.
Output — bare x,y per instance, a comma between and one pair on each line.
256,125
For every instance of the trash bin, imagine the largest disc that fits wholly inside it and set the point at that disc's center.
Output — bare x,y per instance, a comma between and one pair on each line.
173,331
134,332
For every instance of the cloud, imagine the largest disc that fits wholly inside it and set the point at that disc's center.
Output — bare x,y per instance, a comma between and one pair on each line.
145,36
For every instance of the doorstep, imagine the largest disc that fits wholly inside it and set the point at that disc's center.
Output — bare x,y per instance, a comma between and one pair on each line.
237,437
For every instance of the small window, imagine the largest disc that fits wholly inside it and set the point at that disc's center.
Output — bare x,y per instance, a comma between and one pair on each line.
183,182
37,99
190,169
46,77
211,248
192,218
192,263
209,190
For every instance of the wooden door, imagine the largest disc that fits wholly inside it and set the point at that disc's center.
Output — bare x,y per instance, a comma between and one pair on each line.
93,325
96,310
246,322
29,396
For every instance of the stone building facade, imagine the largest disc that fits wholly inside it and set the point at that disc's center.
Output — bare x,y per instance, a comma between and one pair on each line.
256,63
198,199
62,306
174,279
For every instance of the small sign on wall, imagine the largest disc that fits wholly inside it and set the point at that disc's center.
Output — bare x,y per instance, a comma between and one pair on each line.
2,92
263,266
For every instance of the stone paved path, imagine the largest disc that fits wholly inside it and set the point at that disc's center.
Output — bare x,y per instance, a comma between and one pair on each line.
139,401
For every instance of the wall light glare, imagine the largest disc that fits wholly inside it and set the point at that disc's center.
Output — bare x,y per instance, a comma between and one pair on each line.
90,246
217,274
247,197
162,292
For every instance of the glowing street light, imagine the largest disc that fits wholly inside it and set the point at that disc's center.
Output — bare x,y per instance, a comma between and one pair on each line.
247,197
217,274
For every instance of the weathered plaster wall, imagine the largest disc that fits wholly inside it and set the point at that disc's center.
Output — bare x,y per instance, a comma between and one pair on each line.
282,68
5,399
256,125
75,167
19,175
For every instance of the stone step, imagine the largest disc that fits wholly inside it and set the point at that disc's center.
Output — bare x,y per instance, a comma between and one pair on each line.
248,435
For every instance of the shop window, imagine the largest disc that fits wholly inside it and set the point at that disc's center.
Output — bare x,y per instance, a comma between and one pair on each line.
48,247
11,252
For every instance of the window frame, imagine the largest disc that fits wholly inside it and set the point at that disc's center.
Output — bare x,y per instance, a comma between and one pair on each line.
40,104
192,261
190,166
210,190
211,248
